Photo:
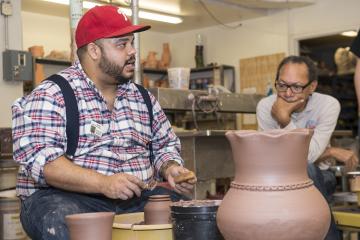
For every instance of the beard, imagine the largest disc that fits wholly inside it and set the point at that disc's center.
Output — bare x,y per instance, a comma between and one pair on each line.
114,70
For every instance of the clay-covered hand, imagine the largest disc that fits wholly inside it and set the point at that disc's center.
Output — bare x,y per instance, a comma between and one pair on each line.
181,186
281,110
121,186
345,156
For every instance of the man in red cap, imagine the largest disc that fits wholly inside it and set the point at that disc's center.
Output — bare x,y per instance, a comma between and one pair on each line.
90,140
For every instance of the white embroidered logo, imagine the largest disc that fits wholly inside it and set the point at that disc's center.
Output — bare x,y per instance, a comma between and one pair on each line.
120,12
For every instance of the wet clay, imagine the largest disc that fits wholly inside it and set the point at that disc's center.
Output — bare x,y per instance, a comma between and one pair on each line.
157,210
272,196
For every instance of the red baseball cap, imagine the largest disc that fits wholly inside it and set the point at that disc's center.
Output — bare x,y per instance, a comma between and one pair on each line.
104,22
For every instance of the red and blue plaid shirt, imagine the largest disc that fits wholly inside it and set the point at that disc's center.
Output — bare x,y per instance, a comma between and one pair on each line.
119,143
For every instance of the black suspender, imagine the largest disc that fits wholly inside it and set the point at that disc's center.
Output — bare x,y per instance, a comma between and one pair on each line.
72,113
149,106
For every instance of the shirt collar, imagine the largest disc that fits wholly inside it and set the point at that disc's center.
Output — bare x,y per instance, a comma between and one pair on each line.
309,105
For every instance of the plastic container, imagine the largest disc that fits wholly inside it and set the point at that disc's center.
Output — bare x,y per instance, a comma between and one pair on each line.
193,220
8,173
10,225
131,226
179,77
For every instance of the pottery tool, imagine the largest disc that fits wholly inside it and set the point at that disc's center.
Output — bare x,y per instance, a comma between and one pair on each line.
150,185
184,177
153,183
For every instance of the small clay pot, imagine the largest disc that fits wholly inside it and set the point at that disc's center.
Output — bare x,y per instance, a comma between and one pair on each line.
38,52
157,210
90,226
164,63
151,61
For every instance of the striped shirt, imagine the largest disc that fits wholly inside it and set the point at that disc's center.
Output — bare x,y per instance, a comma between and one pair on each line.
109,141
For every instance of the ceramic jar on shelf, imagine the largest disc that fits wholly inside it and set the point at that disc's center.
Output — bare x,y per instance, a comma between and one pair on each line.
164,63
151,61
38,52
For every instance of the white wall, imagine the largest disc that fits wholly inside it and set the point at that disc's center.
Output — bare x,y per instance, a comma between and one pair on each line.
326,17
54,34
261,36
9,91
278,32
49,31
275,33
152,41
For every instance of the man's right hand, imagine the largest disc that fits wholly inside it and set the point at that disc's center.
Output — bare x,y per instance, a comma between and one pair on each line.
281,110
121,186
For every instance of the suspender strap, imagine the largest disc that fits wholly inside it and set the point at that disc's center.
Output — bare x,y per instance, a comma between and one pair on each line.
72,113
148,103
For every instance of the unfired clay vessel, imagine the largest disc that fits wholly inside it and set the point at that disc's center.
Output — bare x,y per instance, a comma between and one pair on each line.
164,63
90,226
157,210
151,61
38,52
272,196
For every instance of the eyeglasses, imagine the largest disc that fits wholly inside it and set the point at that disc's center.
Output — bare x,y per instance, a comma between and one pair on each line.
282,87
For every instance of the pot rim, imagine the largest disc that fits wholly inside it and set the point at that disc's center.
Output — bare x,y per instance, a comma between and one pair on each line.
353,173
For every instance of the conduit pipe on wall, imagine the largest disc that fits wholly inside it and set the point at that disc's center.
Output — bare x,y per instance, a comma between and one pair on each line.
135,20
76,12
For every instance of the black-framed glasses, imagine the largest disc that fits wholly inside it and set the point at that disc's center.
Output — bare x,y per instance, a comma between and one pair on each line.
283,87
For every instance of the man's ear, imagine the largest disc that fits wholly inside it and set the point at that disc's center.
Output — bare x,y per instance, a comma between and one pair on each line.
93,51
313,86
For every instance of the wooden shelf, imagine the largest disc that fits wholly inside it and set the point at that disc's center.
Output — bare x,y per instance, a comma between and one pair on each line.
52,61
342,88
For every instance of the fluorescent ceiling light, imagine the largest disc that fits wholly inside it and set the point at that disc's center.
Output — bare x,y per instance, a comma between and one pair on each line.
351,33
142,14
154,16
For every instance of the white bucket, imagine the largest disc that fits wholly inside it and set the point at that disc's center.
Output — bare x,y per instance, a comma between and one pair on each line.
179,77
10,225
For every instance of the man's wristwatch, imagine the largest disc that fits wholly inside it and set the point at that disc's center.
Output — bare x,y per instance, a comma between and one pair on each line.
166,165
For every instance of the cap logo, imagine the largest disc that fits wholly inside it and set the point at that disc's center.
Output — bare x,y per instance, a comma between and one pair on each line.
120,12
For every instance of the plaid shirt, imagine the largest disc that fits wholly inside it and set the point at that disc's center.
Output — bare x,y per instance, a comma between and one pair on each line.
109,141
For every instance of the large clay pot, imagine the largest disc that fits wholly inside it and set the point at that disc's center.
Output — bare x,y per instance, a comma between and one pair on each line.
157,210
90,226
272,196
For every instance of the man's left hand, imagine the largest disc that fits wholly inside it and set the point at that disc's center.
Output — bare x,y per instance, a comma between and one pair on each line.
345,156
186,187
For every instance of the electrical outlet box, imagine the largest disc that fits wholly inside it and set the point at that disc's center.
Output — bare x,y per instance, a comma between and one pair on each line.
17,65
6,8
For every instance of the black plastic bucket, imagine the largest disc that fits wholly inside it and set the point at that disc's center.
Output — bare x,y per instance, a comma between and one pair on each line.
195,220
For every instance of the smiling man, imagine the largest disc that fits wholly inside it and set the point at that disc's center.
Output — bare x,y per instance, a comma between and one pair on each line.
90,140
297,105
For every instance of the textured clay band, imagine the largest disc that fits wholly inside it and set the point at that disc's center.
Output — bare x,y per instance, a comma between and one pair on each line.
257,188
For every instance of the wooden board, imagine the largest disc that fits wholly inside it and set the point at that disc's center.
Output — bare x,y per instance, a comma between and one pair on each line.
256,74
